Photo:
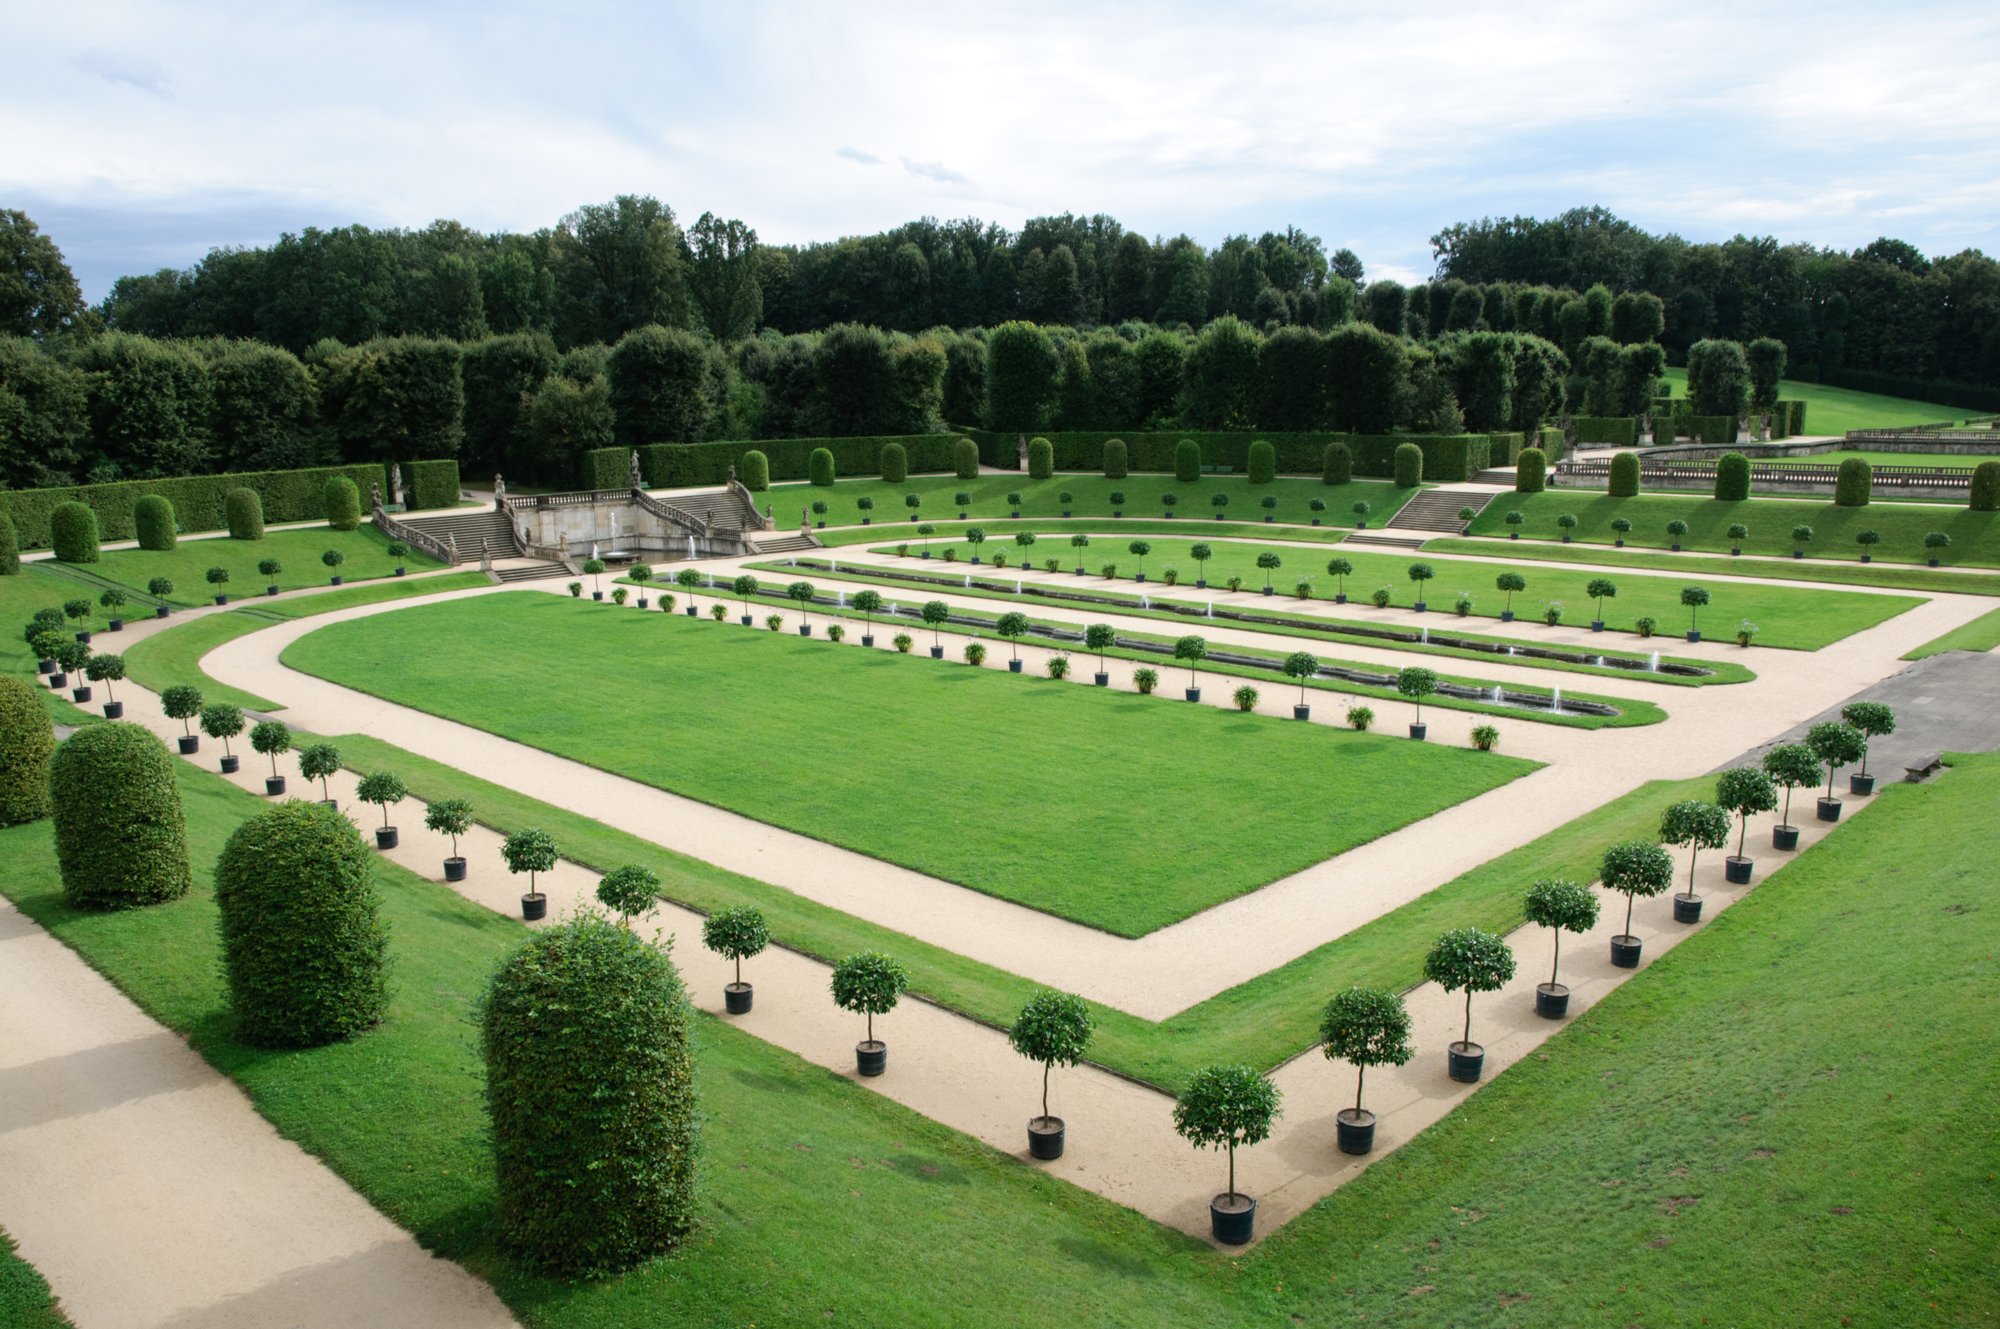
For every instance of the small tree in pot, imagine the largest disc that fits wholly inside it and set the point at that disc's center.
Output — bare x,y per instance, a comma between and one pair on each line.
107,669
1340,569
962,501
869,983
269,568
320,762
975,653
1620,528
736,935
183,703
936,613
1139,549
1361,510
272,737
1699,826
1560,906
530,851
1743,790
333,558
641,575
1790,765
1191,651
629,891
1223,1107
1270,505
687,579
1416,683
1636,867
1363,1027
1873,719
1054,1029
1868,540
78,611
1421,574
218,578
1269,562
1220,502
1079,542
160,588
801,594
1510,582
1201,553
1600,589
1567,522
976,537
1801,537
925,532
1245,698
1676,531
1477,962
1514,521
1100,637
869,603
453,817
1013,626
1937,542
384,789
1692,599
72,657
1145,680
1301,665
398,551
1836,744
744,587
1738,533
866,507
1316,506
113,601
222,721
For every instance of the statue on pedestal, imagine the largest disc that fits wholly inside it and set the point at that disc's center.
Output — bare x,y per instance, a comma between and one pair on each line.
396,482
638,481
374,495
499,491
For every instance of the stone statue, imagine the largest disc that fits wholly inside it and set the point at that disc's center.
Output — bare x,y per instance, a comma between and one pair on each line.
485,556
732,473
499,491
638,481
1021,450
374,494
395,481
805,520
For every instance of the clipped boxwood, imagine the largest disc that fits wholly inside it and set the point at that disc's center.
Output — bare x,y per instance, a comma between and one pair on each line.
244,511
1409,466
10,547
590,1085
303,946
121,841
1263,463
819,466
27,740
1337,464
1625,475
756,471
1854,484
964,459
1117,459
1041,459
895,460
343,504
432,484
153,523
1531,473
1732,478
74,528
1187,461
1985,487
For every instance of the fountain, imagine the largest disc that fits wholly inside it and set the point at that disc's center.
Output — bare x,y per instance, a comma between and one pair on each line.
1510,650
1424,636
1653,663
691,551
833,565
968,581
1496,694
1145,602
1017,585
1556,701
1597,661
841,599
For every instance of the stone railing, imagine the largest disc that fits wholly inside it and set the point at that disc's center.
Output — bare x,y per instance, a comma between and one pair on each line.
422,541
691,522
1691,476
757,521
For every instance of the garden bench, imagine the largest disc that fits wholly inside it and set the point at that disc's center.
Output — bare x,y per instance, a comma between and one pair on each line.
1922,766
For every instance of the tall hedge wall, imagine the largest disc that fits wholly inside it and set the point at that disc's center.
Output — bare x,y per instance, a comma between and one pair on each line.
1618,431
197,500
430,484
1717,431
1447,457
679,465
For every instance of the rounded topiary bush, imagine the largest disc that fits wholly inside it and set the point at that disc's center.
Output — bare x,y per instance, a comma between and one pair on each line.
27,740
895,460
244,512
120,839
590,1084
1853,484
1041,459
1337,464
1625,475
1409,466
153,522
1986,487
1117,459
1263,463
1732,478
73,528
756,471
1187,461
343,504
819,467
965,459
1531,471
303,947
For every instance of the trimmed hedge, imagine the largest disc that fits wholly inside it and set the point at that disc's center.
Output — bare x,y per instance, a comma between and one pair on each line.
303,947
1409,466
244,511
74,527
895,462
755,472
1624,475
590,1086
1187,461
1117,459
10,547
1504,449
1336,464
27,740
1262,462
432,484
197,500
153,523
819,466
1985,495
120,838
343,504
685,465
1447,457
964,458
1531,472
1041,459
1716,431
1854,484
1732,478
1616,430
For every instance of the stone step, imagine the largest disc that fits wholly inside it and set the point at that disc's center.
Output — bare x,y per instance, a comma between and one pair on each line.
785,544
530,572
1382,540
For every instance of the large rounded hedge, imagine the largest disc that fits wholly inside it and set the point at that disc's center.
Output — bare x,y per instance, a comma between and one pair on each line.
244,511
1625,475
10,547
27,739
1187,461
154,524
1117,459
590,1083
73,532
1853,484
343,504
965,459
303,946
1409,461
819,467
755,472
1732,478
1263,463
1986,487
1531,471
120,839
1041,459
1337,464
895,461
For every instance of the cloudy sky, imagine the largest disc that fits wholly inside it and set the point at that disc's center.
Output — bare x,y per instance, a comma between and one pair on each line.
142,135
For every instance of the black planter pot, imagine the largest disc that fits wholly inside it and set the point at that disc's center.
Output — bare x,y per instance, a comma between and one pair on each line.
1232,1219
1784,837
1465,1062
1829,809
534,907
1934,562
1694,635
867,521
1315,521
1302,712
1737,870
1013,666
333,803
1269,590
644,603
805,630
231,765
83,637
1421,607
1513,535
868,639
1736,551
117,625
45,667
270,590
274,786
1140,576
1045,1138
1619,543
1687,908
975,560
927,553
401,571
454,869
1675,548
736,998
871,1058
189,744
597,595
1102,680
1065,512
386,837
58,681
1118,514
1340,598
1798,553
1565,539
1597,625
222,599
822,525
79,695
1417,731
1201,583
937,652
1354,1130
1861,784
744,619
114,710
1552,1000
1361,525
336,581
1865,558
1194,694
1625,952
1506,616
692,612
161,611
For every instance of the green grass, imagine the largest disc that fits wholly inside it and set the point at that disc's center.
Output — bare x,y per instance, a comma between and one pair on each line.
1004,530
38,588
25,1299
1789,617
1837,410
1784,1103
187,565
744,720
1955,461
1981,634
174,655
1091,497
1888,576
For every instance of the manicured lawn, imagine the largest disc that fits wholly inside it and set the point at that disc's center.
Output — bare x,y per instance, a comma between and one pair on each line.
38,588
1975,536
1981,634
1837,410
1126,526
1091,494
25,1301
1786,616
298,551
1954,461
1890,576
1045,778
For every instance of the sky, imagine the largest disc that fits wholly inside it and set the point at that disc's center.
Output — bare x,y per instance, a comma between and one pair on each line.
141,136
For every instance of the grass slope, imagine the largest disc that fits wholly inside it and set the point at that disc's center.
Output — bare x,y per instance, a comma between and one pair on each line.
1042,813
25,1299
1981,634
1889,576
1836,410
1003,530
366,551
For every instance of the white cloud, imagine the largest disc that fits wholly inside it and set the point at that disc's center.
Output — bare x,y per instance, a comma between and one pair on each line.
857,155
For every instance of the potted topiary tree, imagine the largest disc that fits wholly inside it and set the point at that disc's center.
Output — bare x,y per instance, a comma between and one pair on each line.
223,721
1201,554
744,587
71,657
1790,765
1510,582
1301,665
1316,506
1363,1027
869,983
160,588
107,669
819,513
530,851
687,579
1361,510
1738,533
1416,683
272,737
1801,537
866,507
183,703
1270,505
321,761
398,551
1421,574
1873,719
975,537
1868,540
1567,521
736,935
1743,790
383,788
936,613
269,568
1620,528
333,558
915,503
629,892
1191,651
641,574
1699,826
1675,530
113,600
1053,1028
1514,520
1835,744
961,501
1014,503
1065,498
801,594
593,568
1477,962
1220,502
1223,1107
1100,637
1637,868
1600,589
78,611
1692,599
218,578
1079,542
1139,549
1936,542
869,603
1560,906
925,531
1117,500
1013,626
453,817
1269,562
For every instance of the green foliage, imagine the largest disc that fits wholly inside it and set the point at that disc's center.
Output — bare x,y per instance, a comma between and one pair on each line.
1245,698
1695,823
74,533
736,934
1531,471
1023,372
431,484
1226,1106
1366,1027
1766,365
1854,483
869,983
895,463
1041,459
1625,475
120,838
1054,1029
104,668
1566,906
449,816
342,500
1718,378
1732,478
531,851
384,788
181,702
1263,463
27,741
587,1037
1416,682
1187,461
1485,737
1637,868
1792,765
1469,960
10,546
1871,717
1985,495
755,472
1836,744
153,523
1117,459
1409,466
1337,464
304,951
244,513
1620,431
1746,789
819,466
964,459
221,720
271,737
630,890
197,500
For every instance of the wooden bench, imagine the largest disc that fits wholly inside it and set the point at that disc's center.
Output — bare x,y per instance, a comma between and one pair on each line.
1928,764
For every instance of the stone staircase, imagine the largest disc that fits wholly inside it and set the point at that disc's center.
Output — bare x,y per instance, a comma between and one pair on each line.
528,572
1496,476
722,509
785,544
467,529
1385,540
1436,511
